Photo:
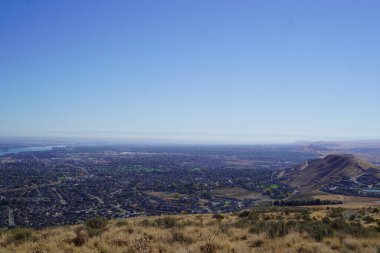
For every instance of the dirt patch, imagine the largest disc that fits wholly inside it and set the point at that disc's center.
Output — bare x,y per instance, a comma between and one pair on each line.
238,193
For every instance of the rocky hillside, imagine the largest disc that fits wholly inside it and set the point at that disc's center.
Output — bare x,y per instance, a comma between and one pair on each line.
317,174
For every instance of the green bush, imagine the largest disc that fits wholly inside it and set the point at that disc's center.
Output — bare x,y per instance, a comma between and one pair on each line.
95,226
96,223
277,229
218,216
244,214
250,215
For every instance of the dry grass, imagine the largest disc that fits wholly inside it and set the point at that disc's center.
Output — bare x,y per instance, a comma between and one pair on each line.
188,234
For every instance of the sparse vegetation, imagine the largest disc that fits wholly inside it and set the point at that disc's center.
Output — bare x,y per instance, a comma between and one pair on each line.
218,216
95,226
20,235
181,237
121,223
282,229
166,222
96,223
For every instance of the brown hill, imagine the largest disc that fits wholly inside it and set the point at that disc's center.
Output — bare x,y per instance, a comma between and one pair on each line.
314,174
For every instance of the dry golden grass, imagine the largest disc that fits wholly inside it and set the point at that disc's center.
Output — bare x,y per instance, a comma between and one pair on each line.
189,234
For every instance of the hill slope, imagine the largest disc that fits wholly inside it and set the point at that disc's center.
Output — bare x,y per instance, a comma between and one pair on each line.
316,174
261,230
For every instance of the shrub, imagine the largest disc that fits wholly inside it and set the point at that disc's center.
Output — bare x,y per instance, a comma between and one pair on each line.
336,212
351,246
145,223
306,217
357,230
338,224
254,216
316,229
119,243
256,243
181,238
95,226
121,223
273,228
326,220
243,238
211,223
277,229
223,228
39,251
19,235
80,237
244,214
241,224
209,248
368,219
257,227
218,216
96,223
166,222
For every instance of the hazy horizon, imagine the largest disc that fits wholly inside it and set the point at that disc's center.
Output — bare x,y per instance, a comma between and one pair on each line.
179,138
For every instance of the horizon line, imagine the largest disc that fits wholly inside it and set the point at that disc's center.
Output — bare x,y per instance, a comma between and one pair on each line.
182,138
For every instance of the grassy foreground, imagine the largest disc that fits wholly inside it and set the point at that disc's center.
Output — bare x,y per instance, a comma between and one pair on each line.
279,229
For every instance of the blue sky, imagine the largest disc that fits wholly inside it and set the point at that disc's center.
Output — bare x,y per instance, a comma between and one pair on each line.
248,70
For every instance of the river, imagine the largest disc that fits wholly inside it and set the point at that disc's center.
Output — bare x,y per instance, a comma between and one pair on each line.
27,149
